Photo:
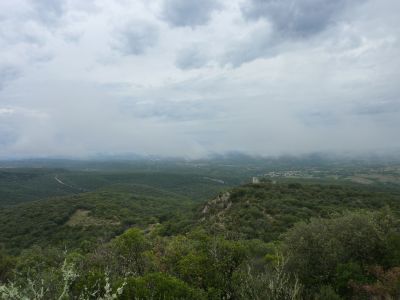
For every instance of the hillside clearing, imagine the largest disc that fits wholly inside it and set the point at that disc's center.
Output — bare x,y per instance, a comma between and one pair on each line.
81,217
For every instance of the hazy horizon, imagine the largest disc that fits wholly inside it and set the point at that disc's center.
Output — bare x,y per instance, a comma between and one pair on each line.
326,157
186,78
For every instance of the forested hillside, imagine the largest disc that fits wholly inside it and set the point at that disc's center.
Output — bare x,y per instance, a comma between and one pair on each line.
269,240
24,185
266,210
88,218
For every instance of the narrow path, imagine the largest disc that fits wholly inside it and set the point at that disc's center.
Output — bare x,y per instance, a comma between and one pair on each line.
67,185
215,180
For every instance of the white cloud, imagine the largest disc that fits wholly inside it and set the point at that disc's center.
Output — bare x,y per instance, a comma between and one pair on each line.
6,111
126,76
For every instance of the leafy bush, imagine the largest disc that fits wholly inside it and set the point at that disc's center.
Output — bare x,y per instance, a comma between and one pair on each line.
339,250
159,286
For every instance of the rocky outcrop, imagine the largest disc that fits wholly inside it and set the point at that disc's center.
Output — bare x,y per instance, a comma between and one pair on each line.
222,201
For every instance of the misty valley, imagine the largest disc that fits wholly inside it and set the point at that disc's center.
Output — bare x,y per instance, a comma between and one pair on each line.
224,228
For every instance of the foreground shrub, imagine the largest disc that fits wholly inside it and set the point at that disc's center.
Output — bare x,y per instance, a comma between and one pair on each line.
274,283
159,286
340,250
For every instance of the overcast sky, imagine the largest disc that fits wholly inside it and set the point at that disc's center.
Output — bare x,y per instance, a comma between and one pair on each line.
194,77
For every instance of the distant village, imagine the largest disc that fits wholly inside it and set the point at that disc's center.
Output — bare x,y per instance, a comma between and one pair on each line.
286,174
290,173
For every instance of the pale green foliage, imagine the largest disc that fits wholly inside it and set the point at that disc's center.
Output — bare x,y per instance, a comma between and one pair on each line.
11,292
34,291
69,275
109,293
30,291
273,284
37,290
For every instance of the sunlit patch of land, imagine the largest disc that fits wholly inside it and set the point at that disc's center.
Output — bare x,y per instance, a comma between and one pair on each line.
81,217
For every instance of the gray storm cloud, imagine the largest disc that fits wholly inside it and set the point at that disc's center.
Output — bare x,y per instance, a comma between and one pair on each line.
191,58
176,78
188,12
136,37
48,11
8,73
296,18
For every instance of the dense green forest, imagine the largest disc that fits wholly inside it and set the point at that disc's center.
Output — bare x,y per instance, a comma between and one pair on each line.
17,186
173,233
